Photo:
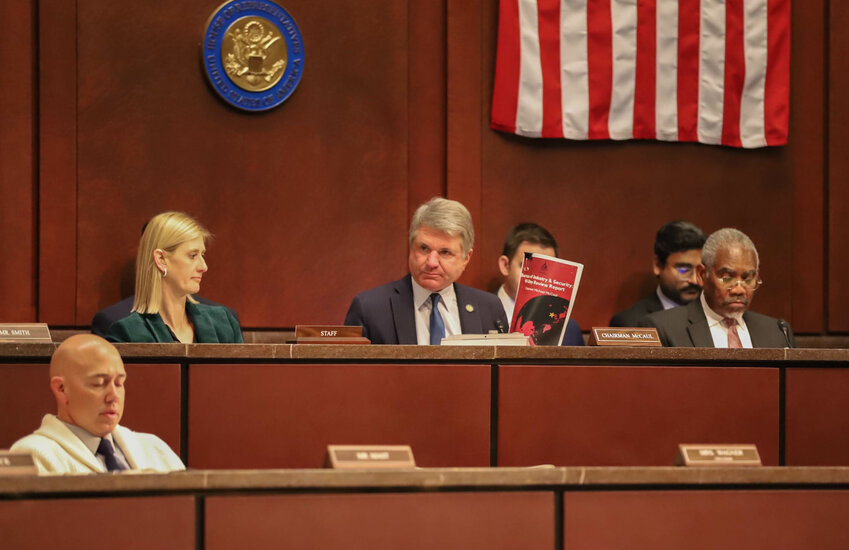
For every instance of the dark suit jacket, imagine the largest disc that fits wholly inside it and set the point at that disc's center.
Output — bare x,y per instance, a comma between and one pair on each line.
104,318
687,326
632,315
387,316
572,336
212,324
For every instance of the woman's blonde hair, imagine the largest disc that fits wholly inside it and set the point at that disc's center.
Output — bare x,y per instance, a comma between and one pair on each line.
166,231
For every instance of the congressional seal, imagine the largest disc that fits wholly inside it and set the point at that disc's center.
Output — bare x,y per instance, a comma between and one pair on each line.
253,54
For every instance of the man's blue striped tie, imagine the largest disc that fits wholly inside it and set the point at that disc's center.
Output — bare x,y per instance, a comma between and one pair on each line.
437,325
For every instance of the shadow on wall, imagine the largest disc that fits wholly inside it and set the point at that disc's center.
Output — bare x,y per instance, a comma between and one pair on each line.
634,287
127,284
493,284
128,278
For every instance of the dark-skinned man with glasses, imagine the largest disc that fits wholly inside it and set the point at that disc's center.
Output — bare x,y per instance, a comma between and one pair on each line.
677,253
720,318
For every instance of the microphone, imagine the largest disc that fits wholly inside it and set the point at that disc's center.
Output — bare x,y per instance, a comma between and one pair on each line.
785,329
501,328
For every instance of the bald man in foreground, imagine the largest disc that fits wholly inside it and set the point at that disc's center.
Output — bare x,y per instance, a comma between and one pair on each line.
87,379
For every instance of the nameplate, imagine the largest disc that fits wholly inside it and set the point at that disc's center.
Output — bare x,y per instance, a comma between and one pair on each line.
614,336
369,456
717,455
495,339
16,464
329,334
25,332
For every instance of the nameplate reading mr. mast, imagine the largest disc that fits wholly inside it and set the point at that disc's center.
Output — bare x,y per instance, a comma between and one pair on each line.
370,456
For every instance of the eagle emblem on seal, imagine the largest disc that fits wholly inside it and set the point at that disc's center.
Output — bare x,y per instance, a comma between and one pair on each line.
256,57
252,53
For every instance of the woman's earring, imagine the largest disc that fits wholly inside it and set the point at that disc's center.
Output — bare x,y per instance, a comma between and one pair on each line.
165,273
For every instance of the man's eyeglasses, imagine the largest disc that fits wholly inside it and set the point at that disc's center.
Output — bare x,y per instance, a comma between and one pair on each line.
728,282
684,270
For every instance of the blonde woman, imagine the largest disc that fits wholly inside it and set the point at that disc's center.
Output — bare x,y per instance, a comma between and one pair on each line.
169,268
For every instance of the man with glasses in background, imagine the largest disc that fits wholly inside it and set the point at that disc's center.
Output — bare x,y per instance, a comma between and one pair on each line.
720,318
677,252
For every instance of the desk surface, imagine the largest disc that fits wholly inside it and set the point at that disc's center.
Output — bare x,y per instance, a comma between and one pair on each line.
502,354
427,479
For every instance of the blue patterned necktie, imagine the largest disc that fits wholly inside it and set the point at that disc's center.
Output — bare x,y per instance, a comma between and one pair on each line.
105,449
437,325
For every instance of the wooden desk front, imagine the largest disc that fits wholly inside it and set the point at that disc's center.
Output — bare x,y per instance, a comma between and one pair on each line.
284,416
631,415
479,508
265,405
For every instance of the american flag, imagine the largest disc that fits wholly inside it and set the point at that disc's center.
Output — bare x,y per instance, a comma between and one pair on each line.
711,71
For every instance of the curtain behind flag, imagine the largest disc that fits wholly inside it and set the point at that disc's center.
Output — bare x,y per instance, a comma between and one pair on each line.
711,71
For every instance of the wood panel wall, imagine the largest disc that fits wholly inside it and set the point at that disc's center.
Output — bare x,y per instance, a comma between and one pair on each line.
110,120
17,164
838,169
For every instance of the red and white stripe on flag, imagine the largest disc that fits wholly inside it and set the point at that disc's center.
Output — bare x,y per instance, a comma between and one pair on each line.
711,71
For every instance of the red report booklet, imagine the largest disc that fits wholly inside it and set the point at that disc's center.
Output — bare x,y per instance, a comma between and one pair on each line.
547,291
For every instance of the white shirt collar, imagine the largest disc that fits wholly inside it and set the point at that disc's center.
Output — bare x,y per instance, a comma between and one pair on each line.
448,309
422,295
665,301
507,301
713,317
90,440
719,332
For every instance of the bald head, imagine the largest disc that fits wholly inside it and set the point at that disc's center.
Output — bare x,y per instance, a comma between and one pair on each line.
79,350
87,379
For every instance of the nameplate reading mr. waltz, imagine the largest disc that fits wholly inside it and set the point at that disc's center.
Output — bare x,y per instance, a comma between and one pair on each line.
25,332
370,456
609,336
17,463
717,455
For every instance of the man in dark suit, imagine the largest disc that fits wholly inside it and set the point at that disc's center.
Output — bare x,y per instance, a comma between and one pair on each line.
528,237
677,252
427,304
721,318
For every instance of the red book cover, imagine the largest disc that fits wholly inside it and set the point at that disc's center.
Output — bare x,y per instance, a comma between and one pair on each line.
547,291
